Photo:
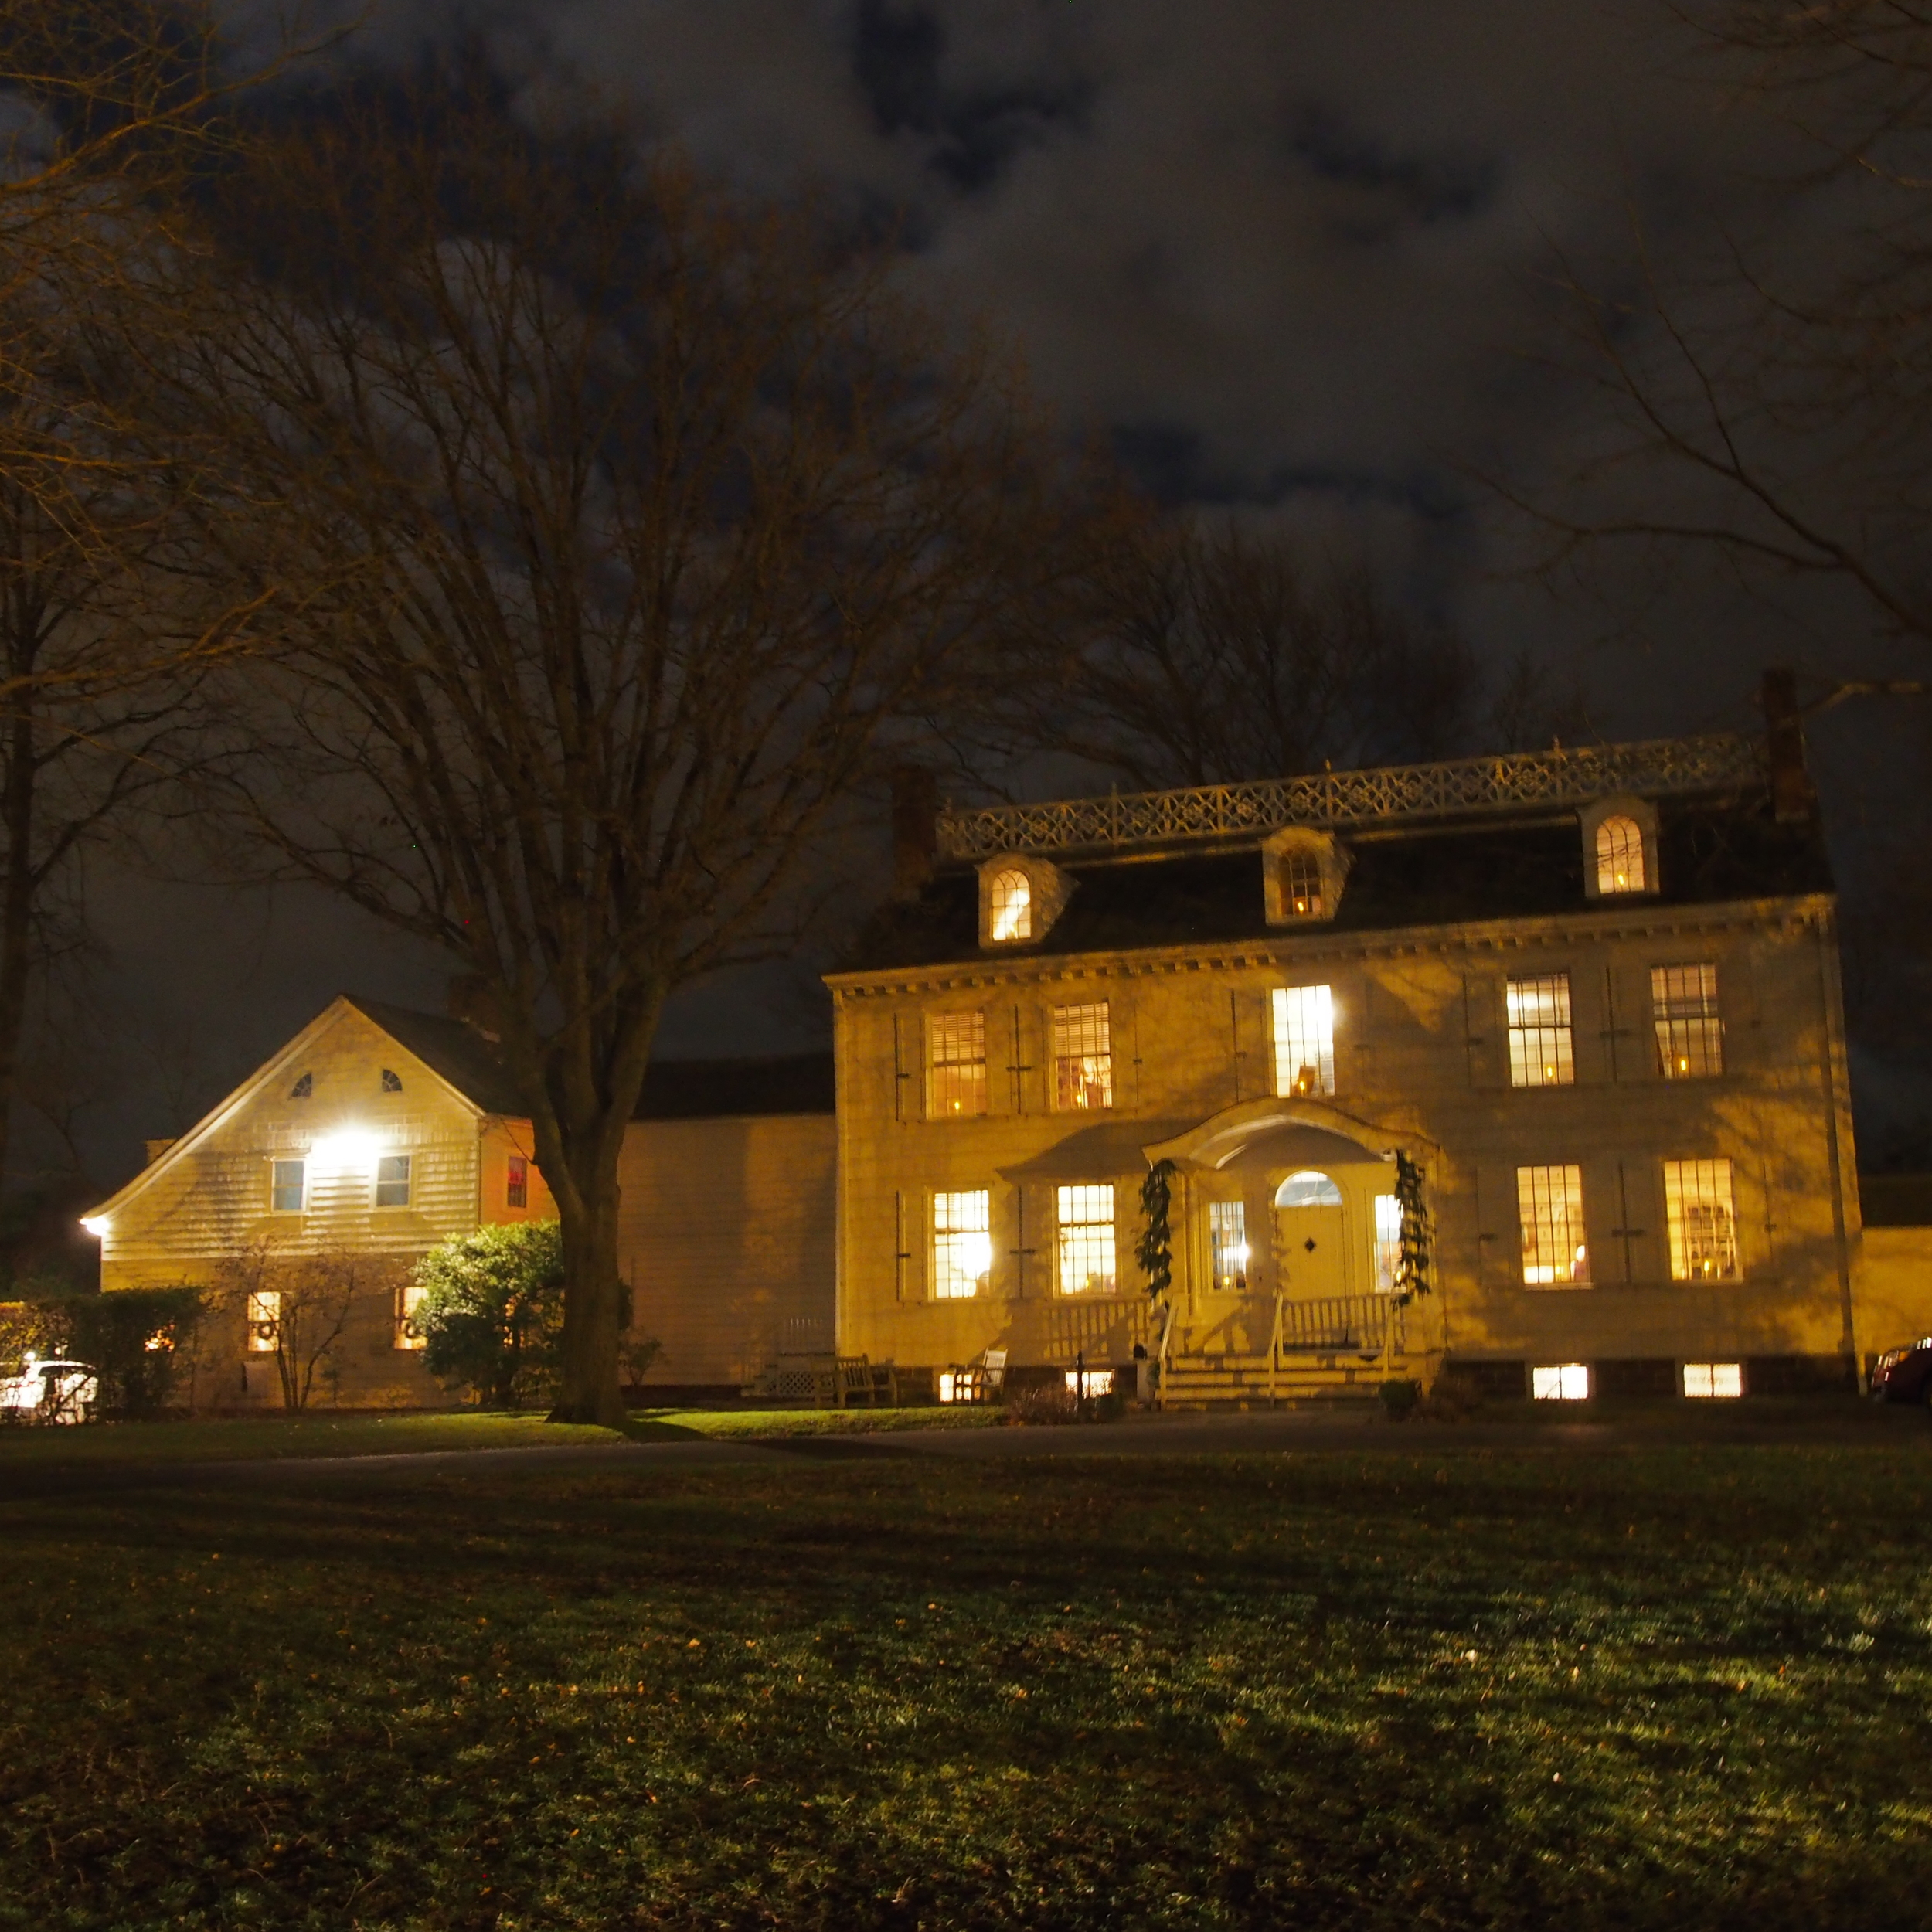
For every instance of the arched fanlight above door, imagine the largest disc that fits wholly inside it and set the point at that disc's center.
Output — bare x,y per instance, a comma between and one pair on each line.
1309,1187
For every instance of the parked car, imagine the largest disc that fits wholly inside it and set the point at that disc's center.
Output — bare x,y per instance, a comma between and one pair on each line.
1904,1375
57,1392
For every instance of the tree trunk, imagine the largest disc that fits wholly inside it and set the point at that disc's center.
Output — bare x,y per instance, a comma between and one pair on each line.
587,1202
16,913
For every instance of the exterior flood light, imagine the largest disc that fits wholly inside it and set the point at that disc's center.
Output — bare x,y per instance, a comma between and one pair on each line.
96,1224
344,1151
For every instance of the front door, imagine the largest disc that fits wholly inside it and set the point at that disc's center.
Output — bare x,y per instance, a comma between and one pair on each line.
1310,1234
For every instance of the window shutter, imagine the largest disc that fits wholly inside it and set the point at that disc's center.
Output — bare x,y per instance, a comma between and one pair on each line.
1485,1037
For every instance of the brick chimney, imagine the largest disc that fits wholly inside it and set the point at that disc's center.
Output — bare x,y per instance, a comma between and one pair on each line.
1792,797
915,829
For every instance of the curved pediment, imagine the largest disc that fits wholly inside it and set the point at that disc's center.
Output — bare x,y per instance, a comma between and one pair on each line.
1297,1132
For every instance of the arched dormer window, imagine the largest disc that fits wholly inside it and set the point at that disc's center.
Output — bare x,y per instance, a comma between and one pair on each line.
1012,893
1620,856
392,1082
303,1087
1302,874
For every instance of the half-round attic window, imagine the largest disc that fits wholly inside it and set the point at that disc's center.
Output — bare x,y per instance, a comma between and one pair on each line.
1011,896
1619,856
303,1087
1310,1188
392,1082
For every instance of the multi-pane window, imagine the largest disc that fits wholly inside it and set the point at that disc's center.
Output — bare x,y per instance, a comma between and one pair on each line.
1388,1242
1083,1057
516,1186
1619,856
1303,1040
1719,1379
1560,1382
1539,1033
962,1243
1086,1222
1228,1241
393,1180
285,1186
1011,896
1683,1004
955,1064
1703,1221
264,1320
1550,1203
409,1298
1301,884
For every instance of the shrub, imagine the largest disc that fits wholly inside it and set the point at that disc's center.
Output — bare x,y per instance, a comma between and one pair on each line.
137,1341
491,1313
1400,1396
1454,1397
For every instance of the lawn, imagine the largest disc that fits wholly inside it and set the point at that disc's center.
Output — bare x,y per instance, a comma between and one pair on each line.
840,1687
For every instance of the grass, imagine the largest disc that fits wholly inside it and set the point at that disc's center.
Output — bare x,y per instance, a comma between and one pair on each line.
321,1433
1671,1686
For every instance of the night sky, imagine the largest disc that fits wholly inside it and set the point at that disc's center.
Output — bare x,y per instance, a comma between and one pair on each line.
1295,262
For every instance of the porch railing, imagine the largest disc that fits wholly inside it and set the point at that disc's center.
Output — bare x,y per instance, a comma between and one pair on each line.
1359,1322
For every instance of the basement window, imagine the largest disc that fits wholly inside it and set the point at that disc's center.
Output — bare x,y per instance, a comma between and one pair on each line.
1703,1220
264,1321
956,1065
393,1180
285,1185
962,1244
1085,1220
1620,856
1690,1035
1082,1057
1540,1039
1707,1379
516,1186
1303,1040
1560,1382
1549,1201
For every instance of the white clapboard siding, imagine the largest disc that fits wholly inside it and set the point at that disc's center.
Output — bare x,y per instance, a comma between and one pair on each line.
725,1236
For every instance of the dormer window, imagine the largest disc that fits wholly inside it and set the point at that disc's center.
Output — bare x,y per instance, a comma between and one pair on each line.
1020,896
1012,896
1302,886
1620,849
1619,856
1302,876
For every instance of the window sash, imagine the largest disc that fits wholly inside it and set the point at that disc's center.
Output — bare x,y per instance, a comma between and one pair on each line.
393,1180
1082,1057
287,1184
1085,1228
1540,1035
1388,1242
1619,856
409,1298
264,1314
956,1065
1690,1032
1303,1040
1301,884
1012,908
1228,1245
1702,1218
516,1184
962,1244
1550,1203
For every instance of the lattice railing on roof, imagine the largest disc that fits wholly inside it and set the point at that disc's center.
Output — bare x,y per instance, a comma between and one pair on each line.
1386,793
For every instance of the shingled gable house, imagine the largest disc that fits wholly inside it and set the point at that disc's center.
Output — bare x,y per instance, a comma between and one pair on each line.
1592,994
383,1131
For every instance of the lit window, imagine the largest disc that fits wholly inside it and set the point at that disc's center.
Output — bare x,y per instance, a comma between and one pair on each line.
409,1298
1228,1240
1619,856
392,1082
1087,1240
1301,884
1083,1057
303,1087
1549,1202
1540,1035
1303,1040
1703,1224
393,1180
956,1065
962,1244
1706,1379
1309,1187
1084,1384
285,1186
1388,1242
1683,1004
1560,1382
264,1320
516,1188
1011,896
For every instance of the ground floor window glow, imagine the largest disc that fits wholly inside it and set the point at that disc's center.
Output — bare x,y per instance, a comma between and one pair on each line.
409,1298
1703,1221
1085,1218
1560,1382
1388,1242
1710,1378
1086,1383
1549,1201
264,1320
1228,1238
962,1244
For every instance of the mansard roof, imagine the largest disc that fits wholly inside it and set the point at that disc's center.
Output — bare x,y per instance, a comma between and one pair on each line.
1526,863
674,1090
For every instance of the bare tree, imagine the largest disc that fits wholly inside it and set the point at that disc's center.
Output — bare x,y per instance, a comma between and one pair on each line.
298,1308
1211,656
644,517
